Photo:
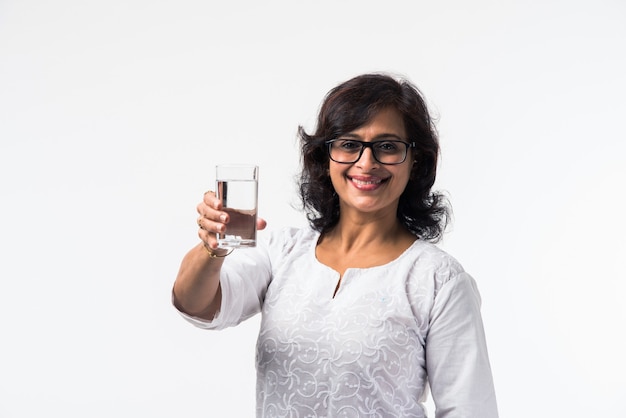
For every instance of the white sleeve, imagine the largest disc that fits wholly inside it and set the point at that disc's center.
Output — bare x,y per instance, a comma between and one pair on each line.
244,278
457,362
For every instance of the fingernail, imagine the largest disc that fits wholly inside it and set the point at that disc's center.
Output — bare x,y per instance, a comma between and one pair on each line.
223,217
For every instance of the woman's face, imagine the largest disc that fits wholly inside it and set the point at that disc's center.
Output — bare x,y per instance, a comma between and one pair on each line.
368,186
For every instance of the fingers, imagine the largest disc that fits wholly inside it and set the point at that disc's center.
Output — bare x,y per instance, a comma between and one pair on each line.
211,208
208,230
208,238
211,220
210,226
211,200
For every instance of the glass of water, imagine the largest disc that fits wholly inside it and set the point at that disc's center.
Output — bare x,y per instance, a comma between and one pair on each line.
237,187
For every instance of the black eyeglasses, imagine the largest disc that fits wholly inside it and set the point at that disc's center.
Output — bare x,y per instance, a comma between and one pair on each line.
349,151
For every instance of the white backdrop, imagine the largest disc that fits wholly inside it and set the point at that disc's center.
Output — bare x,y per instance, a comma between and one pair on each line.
114,113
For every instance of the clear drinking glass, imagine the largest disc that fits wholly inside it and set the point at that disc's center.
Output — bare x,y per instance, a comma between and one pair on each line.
237,187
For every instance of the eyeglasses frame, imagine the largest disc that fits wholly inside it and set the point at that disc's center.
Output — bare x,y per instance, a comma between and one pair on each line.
370,145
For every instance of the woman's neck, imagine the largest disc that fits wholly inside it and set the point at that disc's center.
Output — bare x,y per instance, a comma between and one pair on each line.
357,232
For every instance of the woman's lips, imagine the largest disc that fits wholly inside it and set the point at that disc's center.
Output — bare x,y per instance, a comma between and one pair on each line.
367,183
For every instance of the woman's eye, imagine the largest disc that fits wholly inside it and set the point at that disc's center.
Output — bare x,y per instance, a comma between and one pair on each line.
387,146
349,145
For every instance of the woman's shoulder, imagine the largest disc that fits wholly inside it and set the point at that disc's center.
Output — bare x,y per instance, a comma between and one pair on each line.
430,259
430,271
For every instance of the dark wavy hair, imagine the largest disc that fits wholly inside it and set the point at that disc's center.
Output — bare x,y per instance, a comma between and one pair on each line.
351,105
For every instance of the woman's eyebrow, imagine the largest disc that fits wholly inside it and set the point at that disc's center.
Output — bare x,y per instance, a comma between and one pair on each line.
378,137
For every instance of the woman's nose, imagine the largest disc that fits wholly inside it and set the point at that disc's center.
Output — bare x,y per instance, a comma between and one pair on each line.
367,159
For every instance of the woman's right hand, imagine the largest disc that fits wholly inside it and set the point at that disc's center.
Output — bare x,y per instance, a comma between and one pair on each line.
212,220
197,286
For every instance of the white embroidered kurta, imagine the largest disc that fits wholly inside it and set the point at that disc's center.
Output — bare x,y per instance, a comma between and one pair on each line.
370,350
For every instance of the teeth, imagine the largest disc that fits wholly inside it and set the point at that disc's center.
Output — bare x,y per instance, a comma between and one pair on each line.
366,182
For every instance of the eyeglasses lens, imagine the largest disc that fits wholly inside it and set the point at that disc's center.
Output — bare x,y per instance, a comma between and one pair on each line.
385,152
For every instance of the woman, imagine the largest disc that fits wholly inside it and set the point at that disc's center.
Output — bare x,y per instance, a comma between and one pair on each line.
360,310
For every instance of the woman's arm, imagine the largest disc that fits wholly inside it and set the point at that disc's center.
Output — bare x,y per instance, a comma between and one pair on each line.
197,287
457,362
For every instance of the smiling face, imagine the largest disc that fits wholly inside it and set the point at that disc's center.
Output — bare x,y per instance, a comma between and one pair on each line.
367,186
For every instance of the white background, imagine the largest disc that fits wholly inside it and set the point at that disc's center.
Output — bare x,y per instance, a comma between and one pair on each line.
114,113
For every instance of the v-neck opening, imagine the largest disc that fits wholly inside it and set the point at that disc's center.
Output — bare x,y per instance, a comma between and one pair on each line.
340,277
